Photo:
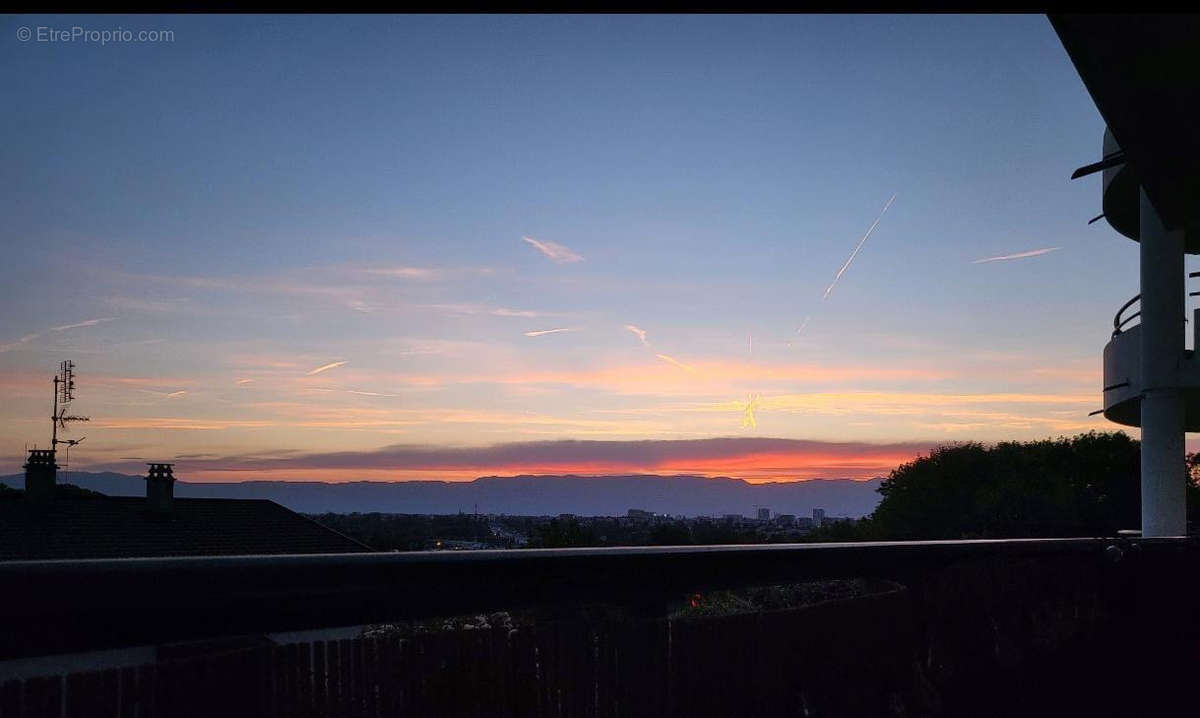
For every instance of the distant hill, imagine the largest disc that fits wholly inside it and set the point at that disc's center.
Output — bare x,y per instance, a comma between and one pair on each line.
524,495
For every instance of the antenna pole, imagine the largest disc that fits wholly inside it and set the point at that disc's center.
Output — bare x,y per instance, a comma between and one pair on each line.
64,392
54,417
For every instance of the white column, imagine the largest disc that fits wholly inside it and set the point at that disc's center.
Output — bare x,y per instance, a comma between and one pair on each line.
1163,308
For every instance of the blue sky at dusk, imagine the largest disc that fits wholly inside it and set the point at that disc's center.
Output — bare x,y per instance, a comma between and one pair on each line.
231,212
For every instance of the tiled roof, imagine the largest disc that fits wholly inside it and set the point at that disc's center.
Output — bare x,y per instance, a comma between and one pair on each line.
123,527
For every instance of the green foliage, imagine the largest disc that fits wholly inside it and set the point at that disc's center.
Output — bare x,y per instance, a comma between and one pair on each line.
1087,485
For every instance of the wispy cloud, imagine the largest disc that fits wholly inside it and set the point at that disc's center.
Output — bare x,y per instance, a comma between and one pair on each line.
676,362
555,251
543,332
77,325
165,394
484,309
840,272
1018,255
30,337
641,333
427,273
23,340
406,272
327,367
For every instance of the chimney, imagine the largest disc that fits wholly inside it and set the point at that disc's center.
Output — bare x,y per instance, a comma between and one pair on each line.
39,475
160,488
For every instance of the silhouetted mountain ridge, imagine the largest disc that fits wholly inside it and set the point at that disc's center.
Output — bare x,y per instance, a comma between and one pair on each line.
524,495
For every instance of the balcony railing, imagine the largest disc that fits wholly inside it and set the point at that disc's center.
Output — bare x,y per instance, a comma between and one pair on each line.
1120,320
1036,627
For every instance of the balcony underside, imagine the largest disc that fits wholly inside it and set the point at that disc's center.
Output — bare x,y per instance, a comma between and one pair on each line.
1122,380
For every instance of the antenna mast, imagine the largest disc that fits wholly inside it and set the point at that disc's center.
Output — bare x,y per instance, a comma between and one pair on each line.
64,394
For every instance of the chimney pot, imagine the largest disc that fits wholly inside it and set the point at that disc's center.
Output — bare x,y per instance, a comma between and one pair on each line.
160,488
40,475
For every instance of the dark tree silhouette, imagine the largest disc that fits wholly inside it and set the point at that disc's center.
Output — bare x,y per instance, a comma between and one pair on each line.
1087,485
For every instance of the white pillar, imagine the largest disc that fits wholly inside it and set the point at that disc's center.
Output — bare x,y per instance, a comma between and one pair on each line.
1163,307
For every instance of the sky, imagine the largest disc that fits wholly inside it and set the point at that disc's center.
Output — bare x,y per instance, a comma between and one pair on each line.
387,248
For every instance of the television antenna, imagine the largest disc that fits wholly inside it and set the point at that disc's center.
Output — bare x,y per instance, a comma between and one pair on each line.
64,394
67,456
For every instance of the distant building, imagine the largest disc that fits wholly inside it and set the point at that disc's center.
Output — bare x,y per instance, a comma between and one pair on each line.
785,519
47,521
764,514
818,517
639,514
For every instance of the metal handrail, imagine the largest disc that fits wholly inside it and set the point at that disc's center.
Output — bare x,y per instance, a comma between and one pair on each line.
1119,322
150,601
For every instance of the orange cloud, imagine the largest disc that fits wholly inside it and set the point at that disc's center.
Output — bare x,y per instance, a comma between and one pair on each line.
751,458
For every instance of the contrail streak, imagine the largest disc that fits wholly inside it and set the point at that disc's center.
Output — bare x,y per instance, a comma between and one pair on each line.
803,324
553,250
546,331
327,367
854,254
30,337
676,362
88,323
641,333
1018,255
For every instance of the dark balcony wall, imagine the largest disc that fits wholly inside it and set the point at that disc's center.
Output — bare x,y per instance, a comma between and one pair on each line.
1053,635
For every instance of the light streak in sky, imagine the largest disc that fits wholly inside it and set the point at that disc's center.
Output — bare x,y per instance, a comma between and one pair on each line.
543,332
854,254
1018,255
748,418
803,324
553,250
30,337
88,323
327,367
641,333
676,362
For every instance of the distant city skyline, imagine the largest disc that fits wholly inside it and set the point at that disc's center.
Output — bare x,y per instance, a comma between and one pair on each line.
343,248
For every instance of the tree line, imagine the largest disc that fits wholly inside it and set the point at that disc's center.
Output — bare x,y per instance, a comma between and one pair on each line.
1086,485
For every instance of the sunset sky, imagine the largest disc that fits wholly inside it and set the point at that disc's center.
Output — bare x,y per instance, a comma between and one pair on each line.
445,247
